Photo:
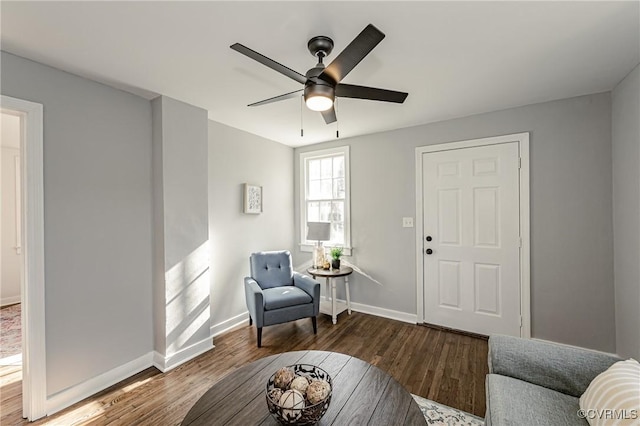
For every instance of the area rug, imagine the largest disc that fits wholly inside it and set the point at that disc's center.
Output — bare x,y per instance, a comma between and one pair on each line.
442,415
10,335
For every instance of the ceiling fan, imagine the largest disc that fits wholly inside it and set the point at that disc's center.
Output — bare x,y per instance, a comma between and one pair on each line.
322,84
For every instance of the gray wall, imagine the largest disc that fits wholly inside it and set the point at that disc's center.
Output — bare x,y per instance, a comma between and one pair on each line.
625,114
97,217
181,285
571,213
237,157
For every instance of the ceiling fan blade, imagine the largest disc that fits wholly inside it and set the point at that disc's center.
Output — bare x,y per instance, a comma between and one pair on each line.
329,115
269,63
353,54
289,95
371,93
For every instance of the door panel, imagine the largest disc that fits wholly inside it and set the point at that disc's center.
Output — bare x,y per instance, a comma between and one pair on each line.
471,211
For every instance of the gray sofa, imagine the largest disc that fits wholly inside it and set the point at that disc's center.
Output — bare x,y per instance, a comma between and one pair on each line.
538,383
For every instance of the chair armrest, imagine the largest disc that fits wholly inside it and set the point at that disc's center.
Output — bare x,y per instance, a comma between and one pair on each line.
255,300
562,368
311,287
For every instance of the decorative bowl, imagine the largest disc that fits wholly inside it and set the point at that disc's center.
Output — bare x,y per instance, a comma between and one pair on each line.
311,413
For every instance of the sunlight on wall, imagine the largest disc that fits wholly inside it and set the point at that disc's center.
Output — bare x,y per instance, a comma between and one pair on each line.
187,295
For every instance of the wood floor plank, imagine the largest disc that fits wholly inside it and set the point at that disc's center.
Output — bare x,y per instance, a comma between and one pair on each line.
447,367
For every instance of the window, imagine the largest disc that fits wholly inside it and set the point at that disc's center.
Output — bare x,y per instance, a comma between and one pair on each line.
324,194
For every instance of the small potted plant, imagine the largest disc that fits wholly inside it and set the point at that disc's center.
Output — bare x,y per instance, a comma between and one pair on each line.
336,254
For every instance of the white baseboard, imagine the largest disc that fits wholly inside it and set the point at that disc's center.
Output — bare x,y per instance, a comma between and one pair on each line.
92,386
227,325
166,363
10,300
380,312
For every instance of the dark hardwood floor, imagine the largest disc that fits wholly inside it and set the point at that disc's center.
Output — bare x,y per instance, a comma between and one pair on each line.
437,364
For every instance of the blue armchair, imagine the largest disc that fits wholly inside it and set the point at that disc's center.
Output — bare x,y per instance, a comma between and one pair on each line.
275,293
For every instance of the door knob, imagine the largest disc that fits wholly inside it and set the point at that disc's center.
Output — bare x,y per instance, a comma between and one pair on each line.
429,251
429,238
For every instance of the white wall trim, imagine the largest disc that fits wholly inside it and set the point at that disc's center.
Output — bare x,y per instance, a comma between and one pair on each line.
166,363
70,396
34,377
378,311
226,325
10,300
525,260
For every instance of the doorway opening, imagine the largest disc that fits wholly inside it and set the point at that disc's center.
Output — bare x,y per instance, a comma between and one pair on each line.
28,245
10,247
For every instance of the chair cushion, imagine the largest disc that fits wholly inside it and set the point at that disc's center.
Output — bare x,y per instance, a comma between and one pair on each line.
282,297
513,402
271,268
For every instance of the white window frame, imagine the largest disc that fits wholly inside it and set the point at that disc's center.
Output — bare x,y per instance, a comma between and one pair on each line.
341,150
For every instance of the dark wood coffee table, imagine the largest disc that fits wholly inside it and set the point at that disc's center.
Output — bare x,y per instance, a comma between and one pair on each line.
362,394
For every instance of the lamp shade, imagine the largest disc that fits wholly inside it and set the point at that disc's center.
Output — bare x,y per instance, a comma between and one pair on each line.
318,231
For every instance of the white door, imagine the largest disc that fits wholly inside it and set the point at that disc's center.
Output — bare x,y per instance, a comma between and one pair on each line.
472,239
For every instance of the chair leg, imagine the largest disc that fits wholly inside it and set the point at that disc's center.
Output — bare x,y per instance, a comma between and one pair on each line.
315,325
250,320
259,337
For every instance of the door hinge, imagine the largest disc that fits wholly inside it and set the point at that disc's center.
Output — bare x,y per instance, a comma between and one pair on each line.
520,321
520,242
519,162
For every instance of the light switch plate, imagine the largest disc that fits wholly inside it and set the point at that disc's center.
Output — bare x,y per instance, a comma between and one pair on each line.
407,222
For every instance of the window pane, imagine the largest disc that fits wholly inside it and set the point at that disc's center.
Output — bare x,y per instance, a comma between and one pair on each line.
314,190
338,188
326,169
337,211
325,211
313,212
338,166
325,188
337,233
314,169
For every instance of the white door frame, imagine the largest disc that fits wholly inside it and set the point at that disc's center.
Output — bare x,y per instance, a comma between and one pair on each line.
34,378
525,260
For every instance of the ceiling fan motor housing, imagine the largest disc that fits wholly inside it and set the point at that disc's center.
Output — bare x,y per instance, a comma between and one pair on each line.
316,86
319,88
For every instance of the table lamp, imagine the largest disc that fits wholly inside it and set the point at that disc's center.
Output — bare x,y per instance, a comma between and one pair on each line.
318,231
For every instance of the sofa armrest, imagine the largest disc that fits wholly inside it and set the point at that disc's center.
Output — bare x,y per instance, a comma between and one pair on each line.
311,287
255,300
562,368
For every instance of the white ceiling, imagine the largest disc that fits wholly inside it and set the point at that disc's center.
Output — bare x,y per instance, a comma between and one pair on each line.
454,58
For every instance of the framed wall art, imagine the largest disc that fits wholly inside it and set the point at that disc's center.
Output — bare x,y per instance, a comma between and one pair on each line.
252,199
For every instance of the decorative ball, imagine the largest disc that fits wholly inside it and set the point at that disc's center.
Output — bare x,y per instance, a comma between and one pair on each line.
300,383
293,402
317,391
283,378
275,394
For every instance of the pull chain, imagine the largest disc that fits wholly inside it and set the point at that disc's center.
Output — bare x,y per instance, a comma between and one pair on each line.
301,126
335,106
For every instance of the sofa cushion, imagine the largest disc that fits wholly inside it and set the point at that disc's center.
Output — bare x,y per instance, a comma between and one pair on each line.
281,297
513,402
562,368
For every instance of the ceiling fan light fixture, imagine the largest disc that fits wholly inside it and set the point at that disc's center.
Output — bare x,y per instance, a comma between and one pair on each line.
319,102
319,96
